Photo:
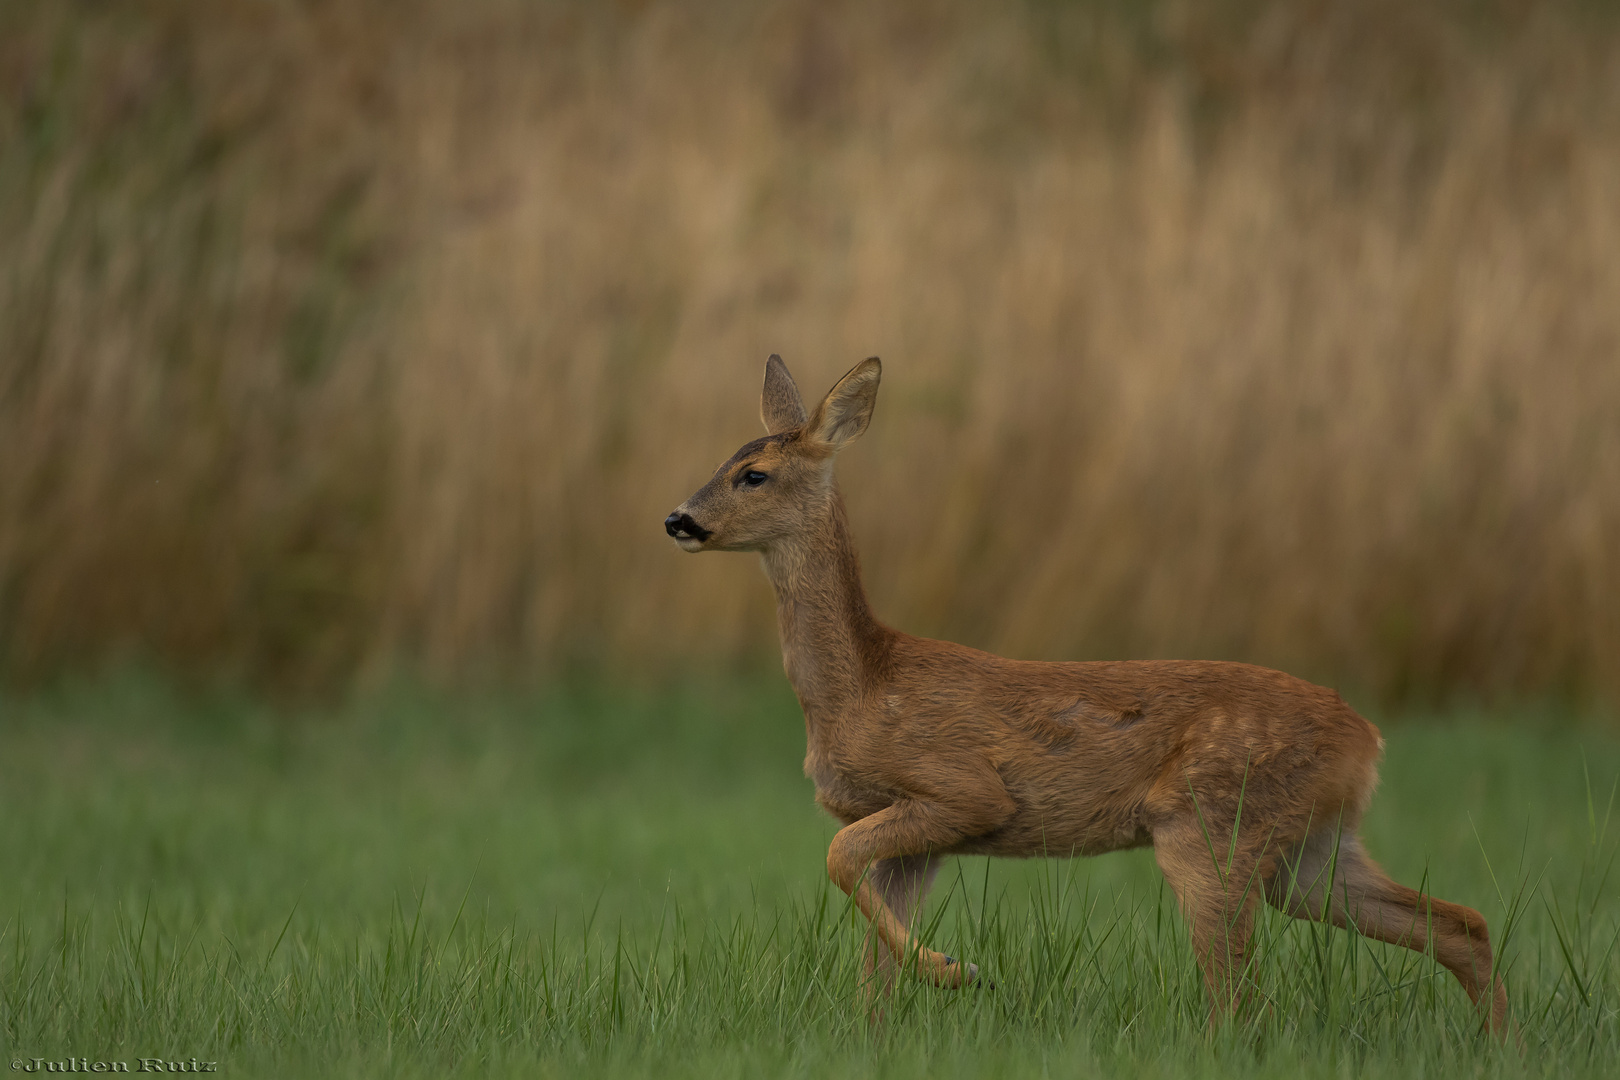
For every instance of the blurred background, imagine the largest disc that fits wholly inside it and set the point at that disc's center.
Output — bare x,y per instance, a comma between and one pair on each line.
349,338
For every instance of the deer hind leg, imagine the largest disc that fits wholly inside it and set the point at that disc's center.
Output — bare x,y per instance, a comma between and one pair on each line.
908,829
1329,877
1217,885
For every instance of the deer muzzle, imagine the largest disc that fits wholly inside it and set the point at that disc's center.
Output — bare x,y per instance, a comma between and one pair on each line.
686,532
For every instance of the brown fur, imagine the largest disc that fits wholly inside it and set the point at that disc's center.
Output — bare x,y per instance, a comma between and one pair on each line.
1249,783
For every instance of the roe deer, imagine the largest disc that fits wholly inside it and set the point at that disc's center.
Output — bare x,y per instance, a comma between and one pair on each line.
924,748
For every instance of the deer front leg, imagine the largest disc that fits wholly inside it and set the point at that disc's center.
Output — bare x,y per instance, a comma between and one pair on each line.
908,828
903,885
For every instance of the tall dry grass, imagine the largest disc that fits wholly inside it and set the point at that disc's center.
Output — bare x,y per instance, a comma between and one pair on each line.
346,335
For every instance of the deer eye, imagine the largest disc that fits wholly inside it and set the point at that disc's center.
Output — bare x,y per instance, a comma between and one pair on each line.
754,478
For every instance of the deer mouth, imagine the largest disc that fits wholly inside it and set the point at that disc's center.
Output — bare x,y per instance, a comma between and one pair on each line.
686,532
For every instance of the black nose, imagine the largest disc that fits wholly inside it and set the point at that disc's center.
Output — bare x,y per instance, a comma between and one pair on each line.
678,525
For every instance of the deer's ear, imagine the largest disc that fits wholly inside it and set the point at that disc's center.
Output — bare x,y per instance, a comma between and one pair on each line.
846,410
780,405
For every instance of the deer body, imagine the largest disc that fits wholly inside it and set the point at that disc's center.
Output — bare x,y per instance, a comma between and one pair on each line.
1249,783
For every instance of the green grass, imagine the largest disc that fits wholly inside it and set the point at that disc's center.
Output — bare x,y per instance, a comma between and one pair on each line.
593,882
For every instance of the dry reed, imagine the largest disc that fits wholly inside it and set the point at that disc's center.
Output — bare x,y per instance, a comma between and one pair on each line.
341,336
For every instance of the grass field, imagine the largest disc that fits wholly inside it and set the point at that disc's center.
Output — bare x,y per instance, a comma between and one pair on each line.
598,882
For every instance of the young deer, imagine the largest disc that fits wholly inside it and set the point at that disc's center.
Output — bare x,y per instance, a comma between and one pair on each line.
1247,782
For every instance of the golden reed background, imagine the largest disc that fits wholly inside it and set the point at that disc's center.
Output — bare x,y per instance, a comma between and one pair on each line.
341,336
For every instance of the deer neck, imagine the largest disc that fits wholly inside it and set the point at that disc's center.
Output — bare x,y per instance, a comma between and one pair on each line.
832,645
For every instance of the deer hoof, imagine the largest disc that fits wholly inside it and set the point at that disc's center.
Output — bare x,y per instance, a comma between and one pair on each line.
958,975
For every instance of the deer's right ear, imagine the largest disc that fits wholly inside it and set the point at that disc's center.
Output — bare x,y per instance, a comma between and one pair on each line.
846,410
780,405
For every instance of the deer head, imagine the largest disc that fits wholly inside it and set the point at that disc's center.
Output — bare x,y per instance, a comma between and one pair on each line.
774,488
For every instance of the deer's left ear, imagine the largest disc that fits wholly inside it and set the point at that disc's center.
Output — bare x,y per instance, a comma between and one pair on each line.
846,410
780,405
